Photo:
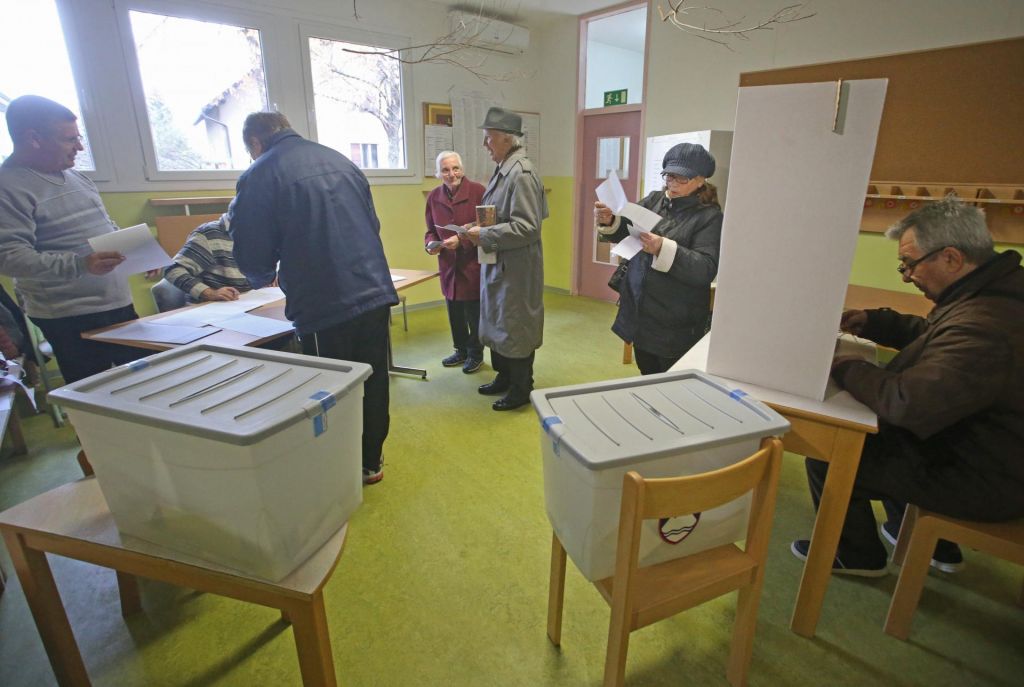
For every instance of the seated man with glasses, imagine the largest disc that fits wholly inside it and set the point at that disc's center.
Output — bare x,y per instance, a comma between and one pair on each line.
950,405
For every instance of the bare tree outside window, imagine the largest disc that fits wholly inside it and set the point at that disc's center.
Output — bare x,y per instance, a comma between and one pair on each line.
358,101
200,80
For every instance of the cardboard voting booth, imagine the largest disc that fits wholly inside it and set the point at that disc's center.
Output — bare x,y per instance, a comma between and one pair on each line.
666,425
801,158
247,458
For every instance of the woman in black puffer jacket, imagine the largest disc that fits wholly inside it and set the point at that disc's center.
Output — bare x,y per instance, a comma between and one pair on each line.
665,298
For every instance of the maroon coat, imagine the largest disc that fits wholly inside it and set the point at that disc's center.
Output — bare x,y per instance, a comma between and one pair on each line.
460,270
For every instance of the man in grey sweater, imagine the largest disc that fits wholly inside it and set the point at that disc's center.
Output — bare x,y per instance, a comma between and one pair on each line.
48,213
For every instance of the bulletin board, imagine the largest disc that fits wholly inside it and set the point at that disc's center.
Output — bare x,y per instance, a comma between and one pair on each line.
952,114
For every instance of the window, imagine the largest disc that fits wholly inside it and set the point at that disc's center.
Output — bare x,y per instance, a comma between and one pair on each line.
358,102
199,80
26,69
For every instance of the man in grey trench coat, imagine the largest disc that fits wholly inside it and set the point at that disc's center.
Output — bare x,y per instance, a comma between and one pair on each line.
512,262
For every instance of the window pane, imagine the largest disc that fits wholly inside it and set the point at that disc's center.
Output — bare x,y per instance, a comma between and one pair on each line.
200,80
358,103
26,69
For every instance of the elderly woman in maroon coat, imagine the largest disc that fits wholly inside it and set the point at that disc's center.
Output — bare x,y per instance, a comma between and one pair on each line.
453,203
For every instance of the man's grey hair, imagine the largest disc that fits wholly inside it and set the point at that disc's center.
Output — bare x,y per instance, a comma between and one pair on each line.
442,156
516,141
948,222
263,125
37,113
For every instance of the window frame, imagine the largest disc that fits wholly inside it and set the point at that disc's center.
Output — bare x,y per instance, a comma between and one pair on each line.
345,34
196,12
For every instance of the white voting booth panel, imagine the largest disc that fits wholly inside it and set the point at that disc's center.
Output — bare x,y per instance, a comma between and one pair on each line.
796,193
247,458
667,425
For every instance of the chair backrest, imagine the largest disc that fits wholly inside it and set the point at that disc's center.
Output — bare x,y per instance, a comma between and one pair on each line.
645,499
172,230
167,296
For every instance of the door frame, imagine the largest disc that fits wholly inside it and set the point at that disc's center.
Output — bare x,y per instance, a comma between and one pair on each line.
581,112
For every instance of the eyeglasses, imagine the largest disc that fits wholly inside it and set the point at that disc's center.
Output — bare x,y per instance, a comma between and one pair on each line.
668,176
906,267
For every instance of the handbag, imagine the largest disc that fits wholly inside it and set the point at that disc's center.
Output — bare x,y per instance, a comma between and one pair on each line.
615,282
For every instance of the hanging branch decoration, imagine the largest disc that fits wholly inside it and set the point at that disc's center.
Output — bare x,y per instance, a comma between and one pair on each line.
678,15
461,48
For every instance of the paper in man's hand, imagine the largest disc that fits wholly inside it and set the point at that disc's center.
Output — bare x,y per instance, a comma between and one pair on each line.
137,245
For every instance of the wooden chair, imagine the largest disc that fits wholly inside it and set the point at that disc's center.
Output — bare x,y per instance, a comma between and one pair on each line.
642,596
918,534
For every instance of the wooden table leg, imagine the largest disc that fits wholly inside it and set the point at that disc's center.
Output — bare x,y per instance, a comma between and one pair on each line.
627,353
835,499
128,590
313,642
44,601
556,590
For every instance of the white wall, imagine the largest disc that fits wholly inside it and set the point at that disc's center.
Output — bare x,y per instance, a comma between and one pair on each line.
693,83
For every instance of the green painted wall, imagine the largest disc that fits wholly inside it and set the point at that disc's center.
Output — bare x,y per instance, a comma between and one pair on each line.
400,208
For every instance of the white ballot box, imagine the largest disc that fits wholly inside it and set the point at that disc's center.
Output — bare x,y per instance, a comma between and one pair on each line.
665,425
247,458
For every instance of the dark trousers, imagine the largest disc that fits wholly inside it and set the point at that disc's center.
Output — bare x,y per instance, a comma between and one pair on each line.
78,358
650,363
893,471
464,320
363,340
518,372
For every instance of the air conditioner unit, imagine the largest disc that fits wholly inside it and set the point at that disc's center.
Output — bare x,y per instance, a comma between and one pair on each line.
488,34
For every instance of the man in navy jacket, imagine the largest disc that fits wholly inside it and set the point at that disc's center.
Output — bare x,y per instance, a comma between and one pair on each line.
304,213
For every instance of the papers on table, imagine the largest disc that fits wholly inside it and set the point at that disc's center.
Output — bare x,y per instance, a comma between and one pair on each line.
155,333
137,245
262,296
217,312
254,325
397,277
12,374
611,193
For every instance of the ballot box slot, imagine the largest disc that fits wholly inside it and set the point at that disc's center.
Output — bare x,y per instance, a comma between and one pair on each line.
658,415
153,378
276,398
245,392
586,416
215,386
680,407
179,384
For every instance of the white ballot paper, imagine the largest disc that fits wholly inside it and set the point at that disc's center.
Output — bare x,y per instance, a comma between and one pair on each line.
137,245
627,248
258,297
255,325
12,375
156,333
397,277
458,229
611,193
207,313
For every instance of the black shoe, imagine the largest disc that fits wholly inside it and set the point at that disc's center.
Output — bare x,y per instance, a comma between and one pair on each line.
946,558
454,360
800,547
498,386
472,365
510,402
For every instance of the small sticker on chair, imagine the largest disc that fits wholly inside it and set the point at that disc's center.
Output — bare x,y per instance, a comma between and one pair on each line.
675,530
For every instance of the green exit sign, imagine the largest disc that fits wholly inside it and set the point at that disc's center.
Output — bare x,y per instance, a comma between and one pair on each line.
615,97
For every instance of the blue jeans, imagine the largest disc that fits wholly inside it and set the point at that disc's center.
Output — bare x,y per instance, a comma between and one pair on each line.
78,358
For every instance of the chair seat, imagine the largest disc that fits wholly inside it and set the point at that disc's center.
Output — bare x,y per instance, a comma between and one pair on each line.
664,589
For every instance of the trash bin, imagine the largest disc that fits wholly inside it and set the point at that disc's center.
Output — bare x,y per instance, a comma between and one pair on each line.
665,425
246,458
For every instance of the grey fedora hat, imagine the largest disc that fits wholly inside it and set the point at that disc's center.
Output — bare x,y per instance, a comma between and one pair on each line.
501,119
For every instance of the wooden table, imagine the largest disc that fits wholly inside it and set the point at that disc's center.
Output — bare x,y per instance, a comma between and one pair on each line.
275,310
832,430
73,521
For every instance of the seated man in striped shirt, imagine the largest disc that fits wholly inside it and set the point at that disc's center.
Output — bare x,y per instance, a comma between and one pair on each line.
205,267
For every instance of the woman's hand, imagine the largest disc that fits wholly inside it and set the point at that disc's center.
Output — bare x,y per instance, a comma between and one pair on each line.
452,242
652,242
603,214
473,233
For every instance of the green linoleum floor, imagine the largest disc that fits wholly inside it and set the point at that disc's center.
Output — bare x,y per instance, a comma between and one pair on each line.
444,576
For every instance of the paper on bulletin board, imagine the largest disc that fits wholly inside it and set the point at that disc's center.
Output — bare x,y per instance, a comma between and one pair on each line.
468,112
795,199
655,151
531,137
436,140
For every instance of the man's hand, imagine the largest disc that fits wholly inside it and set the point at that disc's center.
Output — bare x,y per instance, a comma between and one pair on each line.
224,293
102,262
452,242
603,214
652,242
853,321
